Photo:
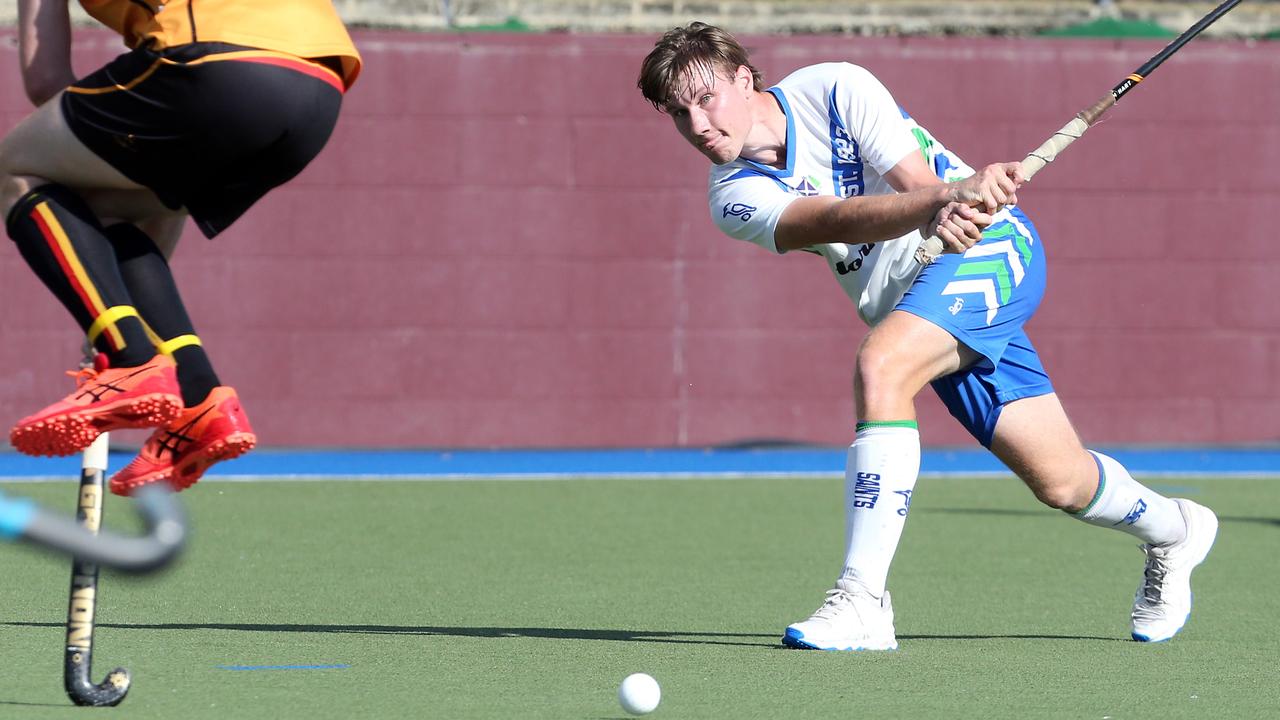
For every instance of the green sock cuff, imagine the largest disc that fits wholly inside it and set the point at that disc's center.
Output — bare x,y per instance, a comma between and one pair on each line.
1102,485
887,424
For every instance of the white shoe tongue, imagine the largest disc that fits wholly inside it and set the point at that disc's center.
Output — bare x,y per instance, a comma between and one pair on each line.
850,585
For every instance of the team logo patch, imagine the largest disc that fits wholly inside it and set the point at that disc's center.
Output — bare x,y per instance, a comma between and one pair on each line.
906,501
808,187
1135,512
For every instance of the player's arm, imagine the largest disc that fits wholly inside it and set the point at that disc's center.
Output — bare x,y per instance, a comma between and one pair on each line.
920,202
959,223
44,48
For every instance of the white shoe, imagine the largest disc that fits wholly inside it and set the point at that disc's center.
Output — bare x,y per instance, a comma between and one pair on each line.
1163,602
851,618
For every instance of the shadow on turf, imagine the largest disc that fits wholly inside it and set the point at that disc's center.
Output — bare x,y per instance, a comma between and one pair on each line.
1275,522
770,640
687,638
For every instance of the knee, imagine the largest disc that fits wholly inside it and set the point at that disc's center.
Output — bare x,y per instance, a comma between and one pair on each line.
1059,497
1069,492
881,373
13,188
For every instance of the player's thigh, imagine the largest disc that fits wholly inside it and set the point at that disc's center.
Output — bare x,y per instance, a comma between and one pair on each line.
141,208
44,148
910,350
1035,439
897,359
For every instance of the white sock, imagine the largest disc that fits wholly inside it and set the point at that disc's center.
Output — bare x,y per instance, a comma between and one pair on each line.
1125,504
884,462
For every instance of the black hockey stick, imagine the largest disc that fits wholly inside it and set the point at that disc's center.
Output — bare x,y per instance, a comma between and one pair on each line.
165,521
77,665
1046,153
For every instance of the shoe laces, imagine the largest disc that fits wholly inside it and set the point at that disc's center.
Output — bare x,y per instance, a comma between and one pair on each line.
83,375
836,602
1154,573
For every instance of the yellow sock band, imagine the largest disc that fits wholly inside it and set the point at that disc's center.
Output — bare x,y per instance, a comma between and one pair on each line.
155,339
110,316
169,346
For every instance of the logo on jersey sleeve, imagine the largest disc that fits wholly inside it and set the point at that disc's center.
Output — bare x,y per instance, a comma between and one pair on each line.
738,209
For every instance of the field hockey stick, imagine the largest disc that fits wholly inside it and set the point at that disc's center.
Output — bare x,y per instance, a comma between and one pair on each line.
1048,152
23,520
77,659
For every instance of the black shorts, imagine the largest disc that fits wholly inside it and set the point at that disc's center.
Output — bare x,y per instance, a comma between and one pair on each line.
207,126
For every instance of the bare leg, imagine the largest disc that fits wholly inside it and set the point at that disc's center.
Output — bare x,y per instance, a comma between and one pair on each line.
1035,440
897,359
42,149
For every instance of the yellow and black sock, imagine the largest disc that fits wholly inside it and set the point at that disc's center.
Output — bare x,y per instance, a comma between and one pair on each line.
150,283
63,242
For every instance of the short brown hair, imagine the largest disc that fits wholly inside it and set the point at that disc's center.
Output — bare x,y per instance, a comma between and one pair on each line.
682,51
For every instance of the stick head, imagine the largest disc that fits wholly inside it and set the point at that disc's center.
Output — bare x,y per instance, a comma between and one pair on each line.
108,693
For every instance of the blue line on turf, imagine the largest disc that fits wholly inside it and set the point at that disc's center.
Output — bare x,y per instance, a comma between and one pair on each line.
283,667
644,463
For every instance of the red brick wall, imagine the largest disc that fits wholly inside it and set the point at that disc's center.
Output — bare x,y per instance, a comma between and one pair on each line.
503,245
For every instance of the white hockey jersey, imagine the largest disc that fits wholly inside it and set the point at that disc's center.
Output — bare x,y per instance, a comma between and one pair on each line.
844,131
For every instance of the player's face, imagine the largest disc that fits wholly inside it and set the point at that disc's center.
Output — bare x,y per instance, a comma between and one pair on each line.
712,113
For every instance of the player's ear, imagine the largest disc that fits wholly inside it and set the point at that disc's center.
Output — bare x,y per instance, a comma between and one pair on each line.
743,78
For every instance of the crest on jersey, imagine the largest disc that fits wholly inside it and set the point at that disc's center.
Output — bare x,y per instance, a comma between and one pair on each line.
808,187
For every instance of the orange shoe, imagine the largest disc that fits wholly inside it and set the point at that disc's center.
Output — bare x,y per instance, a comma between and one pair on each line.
179,453
110,399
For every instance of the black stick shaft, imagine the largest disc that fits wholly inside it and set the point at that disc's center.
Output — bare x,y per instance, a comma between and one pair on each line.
1149,66
83,602
1037,159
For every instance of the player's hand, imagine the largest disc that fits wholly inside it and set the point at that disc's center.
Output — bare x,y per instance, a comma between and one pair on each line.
958,226
991,188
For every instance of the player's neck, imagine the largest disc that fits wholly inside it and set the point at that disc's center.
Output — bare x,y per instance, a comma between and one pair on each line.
767,141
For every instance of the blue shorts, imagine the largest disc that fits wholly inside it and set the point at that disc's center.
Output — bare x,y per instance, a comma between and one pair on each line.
984,298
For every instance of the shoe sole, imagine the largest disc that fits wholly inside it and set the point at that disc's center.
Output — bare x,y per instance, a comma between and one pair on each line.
1209,520
189,471
75,430
795,639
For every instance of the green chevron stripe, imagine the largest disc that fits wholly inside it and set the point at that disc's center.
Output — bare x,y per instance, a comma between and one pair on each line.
1004,231
999,268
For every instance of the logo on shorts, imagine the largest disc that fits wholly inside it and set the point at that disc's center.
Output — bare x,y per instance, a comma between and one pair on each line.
956,306
741,210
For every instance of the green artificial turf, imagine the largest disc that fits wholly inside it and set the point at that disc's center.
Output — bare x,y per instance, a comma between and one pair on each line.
493,599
